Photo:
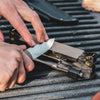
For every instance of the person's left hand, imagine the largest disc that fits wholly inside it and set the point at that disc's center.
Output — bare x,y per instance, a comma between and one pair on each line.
16,10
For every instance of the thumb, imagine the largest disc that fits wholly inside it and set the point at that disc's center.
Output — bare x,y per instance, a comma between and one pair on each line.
1,36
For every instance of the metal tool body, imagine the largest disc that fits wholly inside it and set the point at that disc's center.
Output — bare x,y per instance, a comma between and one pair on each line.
78,66
77,63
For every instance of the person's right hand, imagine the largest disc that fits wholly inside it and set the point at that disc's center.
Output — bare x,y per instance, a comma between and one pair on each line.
13,65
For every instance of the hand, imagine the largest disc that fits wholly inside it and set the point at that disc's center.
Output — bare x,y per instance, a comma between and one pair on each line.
13,65
14,11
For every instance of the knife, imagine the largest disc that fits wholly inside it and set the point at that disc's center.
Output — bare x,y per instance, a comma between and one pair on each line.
39,49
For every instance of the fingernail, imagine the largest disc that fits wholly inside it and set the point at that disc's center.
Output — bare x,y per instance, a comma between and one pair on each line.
33,43
42,39
46,37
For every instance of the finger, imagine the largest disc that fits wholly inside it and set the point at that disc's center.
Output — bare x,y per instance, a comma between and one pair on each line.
4,78
23,47
3,83
1,36
3,87
22,74
13,80
29,65
33,17
13,17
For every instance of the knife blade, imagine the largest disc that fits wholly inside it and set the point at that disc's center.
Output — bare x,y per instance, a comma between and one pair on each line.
40,49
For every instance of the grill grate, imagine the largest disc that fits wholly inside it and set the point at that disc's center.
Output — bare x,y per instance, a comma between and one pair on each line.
44,82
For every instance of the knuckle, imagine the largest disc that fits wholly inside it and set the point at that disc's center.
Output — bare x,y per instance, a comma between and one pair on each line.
21,78
34,14
14,65
11,9
30,67
16,54
15,46
41,31
13,52
8,8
